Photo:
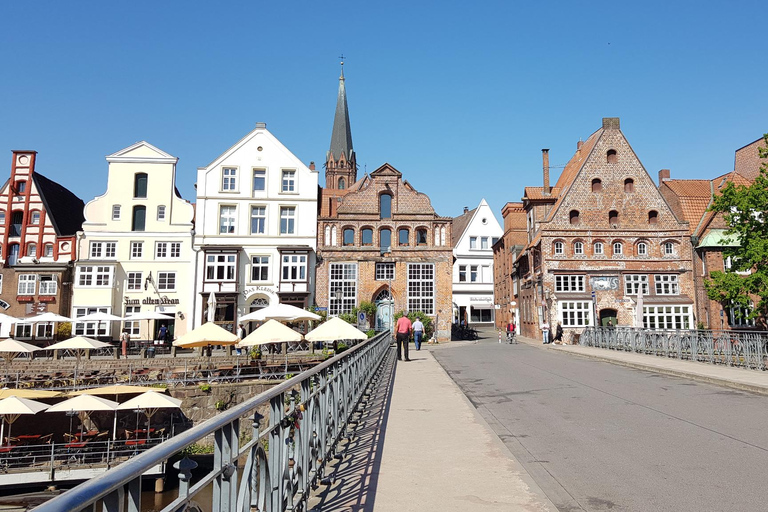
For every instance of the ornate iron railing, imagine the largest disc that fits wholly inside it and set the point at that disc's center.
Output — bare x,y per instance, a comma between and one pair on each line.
746,349
285,453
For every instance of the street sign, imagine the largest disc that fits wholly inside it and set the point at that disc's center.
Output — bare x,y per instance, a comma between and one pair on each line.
497,306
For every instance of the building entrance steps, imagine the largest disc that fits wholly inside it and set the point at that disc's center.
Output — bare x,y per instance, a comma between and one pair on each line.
420,445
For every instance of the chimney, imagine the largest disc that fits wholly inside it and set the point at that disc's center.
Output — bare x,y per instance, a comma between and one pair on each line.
466,209
545,158
611,123
311,166
579,144
261,125
663,175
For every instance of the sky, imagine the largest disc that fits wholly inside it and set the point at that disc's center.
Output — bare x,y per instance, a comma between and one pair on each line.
458,96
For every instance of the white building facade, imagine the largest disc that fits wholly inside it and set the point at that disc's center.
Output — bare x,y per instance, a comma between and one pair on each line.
256,230
135,250
474,234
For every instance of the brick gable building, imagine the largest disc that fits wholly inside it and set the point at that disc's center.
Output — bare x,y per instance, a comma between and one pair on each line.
604,245
379,239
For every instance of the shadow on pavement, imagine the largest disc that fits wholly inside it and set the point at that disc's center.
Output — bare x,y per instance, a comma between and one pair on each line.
355,476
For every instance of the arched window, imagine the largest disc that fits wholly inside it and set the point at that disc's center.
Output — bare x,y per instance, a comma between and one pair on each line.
327,235
32,250
578,248
617,248
629,185
669,248
48,252
574,216
653,217
613,218
385,206
597,185
35,218
342,183
559,248
139,218
421,237
385,238
402,236
349,236
333,235
642,249
367,236
140,185
442,235
598,248
611,156
17,218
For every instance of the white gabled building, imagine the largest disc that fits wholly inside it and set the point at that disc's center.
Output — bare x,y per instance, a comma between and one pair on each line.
474,233
256,229
135,249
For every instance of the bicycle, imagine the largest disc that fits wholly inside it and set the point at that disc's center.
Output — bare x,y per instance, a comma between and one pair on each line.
512,337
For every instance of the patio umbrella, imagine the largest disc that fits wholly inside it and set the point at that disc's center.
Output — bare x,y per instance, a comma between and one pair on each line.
271,331
150,402
116,389
148,315
13,407
99,317
77,344
207,334
211,306
335,329
10,348
8,318
28,393
45,317
284,312
85,404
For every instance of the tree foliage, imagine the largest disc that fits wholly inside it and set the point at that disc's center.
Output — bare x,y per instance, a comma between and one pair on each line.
745,210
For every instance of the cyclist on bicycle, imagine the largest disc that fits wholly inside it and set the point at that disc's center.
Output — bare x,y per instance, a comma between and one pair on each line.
511,332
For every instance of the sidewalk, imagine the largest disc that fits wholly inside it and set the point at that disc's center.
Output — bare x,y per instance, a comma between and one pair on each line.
423,447
754,381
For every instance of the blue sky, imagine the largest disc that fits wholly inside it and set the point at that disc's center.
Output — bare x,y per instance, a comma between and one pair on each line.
459,97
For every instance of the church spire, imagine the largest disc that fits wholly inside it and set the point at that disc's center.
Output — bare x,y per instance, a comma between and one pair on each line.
341,161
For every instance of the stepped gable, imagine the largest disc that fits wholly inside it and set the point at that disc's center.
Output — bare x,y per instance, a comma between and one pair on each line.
364,199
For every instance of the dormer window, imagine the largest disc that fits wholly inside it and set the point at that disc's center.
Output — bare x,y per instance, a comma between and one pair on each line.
629,185
611,156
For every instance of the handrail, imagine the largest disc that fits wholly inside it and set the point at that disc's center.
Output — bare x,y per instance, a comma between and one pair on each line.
329,394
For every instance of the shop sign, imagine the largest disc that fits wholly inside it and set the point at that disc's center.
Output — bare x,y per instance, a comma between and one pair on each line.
25,298
48,298
151,301
247,292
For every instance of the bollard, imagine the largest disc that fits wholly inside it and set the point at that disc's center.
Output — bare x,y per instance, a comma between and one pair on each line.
499,336
159,485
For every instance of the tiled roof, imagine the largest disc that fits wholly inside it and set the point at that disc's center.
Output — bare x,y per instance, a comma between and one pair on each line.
460,223
63,207
694,197
538,193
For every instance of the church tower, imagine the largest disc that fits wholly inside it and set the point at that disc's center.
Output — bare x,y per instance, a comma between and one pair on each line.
341,162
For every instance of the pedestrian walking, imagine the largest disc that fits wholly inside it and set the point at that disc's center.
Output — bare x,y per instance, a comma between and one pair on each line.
558,333
545,332
241,334
162,334
418,333
403,330
510,331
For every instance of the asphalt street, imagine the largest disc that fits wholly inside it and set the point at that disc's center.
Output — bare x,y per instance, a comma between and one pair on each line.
597,436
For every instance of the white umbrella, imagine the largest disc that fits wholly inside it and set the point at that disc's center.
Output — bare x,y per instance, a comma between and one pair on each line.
207,334
10,348
8,318
149,315
211,306
45,317
271,332
284,312
150,402
85,404
77,344
335,329
13,407
98,317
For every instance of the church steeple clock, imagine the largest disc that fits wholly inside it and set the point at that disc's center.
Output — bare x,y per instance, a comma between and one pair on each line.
340,161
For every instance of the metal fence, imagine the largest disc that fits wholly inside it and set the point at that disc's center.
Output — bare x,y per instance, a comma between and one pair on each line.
746,349
267,464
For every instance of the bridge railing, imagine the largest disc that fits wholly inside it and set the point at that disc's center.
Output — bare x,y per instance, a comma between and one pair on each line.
746,349
285,436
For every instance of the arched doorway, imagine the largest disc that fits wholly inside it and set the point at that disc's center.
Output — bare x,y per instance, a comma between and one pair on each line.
384,306
257,302
608,314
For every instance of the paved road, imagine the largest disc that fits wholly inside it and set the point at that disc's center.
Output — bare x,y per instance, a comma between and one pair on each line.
597,436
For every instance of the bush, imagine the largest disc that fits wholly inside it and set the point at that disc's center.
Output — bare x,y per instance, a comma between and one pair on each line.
429,327
341,347
64,330
371,333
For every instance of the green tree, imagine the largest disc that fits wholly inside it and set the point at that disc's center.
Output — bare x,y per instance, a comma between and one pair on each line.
745,211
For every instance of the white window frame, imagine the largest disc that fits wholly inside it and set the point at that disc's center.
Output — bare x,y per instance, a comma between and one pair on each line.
570,283
49,284
578,248
741,321
115,212
27,284
288,215
103,250
666,284
48,251
598,248
575,313
474,274
137,250
221,262
642,249
421,285
133,281
167,250
668,248
253,179
293,268
633,282
484,243
667,317
32,250
473,242
229,179
166,281
262,218
94,276
462,273
161,212
288,181
558,248
35,220
618,249
227,219
259,264
133,327
92,329
385,271
343,277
